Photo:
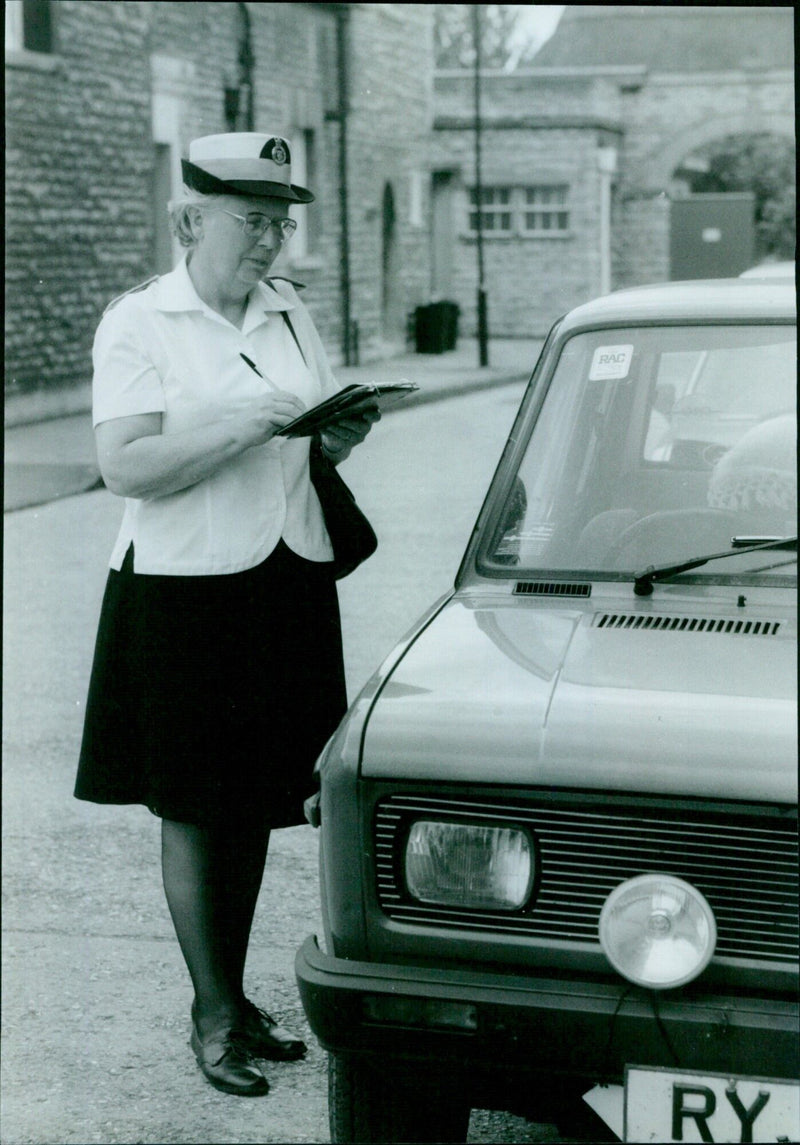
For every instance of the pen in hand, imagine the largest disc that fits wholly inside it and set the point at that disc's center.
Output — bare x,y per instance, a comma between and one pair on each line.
251,364
256,370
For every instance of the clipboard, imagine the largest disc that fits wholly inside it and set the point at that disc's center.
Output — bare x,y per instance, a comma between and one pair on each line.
351,400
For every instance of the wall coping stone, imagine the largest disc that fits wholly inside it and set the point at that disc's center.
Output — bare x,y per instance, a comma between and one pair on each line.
43,405
544,73
715,79
23,59
526,122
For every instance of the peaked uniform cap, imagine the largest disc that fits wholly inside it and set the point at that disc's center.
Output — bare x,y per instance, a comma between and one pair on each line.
243,163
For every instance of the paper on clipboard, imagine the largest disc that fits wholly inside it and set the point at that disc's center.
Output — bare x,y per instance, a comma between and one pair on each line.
350,400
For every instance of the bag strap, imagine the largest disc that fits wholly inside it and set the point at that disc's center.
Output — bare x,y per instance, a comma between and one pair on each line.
288,322
318,458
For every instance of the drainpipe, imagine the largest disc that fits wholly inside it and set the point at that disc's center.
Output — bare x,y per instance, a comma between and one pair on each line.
607,166
342,28
239,99
483,331
246,68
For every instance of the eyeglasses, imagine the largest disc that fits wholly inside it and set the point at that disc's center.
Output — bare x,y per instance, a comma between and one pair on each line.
255,225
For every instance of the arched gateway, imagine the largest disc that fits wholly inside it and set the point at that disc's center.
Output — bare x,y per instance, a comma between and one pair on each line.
585,152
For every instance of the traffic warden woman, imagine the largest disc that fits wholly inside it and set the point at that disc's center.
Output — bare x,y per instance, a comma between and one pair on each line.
218,672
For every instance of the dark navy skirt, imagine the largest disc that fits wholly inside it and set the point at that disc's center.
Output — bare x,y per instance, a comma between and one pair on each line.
211,697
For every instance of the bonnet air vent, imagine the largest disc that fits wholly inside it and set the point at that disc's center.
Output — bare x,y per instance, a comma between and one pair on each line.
687,624
550,588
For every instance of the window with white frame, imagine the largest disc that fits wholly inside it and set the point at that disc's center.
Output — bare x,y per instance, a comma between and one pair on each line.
495,210
532,211
305,241
545,209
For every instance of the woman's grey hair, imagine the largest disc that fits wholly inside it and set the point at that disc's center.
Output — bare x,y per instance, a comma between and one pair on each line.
178,210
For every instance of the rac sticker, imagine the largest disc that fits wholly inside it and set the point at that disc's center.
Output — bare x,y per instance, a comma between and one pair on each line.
610,362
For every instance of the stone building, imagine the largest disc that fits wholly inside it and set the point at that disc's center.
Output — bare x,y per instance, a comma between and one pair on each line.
585,153
585,157
102,98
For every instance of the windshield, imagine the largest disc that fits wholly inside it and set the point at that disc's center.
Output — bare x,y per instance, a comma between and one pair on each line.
657,444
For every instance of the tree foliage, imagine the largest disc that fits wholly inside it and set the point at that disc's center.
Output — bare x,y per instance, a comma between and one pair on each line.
504,44
765,165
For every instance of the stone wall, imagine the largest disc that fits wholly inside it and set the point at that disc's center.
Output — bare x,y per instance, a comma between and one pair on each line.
83,129
391,99
535,131
539,92
665,119
530,280
78,156
640,240
552,124
671,115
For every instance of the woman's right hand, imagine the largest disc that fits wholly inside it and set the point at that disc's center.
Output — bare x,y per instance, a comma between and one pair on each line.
138,460
268,415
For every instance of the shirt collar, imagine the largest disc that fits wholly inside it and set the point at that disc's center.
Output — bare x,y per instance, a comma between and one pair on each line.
175,292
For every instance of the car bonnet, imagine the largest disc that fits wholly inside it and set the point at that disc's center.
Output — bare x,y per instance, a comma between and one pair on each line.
523,694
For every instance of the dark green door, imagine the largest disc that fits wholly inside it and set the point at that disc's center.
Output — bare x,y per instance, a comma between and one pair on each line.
712,236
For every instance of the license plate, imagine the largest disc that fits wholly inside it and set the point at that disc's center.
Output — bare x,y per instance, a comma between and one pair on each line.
666,1105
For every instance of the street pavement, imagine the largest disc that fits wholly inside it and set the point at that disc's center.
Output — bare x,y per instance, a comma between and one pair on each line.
95,996
55,458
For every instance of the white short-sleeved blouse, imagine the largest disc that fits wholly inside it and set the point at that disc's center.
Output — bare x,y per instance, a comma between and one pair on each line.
161,349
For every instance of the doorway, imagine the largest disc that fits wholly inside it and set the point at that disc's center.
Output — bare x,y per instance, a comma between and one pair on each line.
391,302
444,234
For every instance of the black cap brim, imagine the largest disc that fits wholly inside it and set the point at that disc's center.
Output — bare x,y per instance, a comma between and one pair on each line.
200,180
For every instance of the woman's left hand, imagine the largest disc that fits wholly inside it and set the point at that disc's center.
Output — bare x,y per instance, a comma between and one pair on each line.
340,436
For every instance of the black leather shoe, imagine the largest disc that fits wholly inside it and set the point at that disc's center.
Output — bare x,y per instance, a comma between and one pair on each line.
266,1039
228,1064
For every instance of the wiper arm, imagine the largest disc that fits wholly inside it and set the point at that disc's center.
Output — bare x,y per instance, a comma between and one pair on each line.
643,581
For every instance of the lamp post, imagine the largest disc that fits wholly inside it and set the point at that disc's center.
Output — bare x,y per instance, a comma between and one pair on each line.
238,99
483,334
341,115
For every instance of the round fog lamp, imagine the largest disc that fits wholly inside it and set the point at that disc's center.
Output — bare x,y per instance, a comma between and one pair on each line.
657,931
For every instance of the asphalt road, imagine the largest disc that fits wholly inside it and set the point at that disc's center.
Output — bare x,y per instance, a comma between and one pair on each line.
96,999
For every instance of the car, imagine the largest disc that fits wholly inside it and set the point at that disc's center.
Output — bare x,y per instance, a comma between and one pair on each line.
771,269
559,824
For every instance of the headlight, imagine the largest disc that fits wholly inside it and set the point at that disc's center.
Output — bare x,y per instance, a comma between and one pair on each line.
657,931
469,865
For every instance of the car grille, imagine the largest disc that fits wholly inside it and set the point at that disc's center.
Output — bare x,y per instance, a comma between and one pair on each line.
551,588
654,621
745,865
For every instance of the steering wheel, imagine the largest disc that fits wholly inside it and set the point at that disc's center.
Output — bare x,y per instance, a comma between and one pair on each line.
672,535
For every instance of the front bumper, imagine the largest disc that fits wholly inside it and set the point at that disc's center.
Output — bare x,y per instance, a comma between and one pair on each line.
556,1028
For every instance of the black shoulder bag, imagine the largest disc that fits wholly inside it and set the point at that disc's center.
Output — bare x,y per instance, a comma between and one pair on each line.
352,537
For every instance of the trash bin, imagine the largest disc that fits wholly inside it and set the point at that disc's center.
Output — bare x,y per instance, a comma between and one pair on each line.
436,327
427,331
449,314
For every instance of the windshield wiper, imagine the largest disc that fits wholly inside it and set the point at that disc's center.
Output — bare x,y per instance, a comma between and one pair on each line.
643,581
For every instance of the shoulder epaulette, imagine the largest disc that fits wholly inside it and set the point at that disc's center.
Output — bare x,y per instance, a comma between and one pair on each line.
291,281
133,290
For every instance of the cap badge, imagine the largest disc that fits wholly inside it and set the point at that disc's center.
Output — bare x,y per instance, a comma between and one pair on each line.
276,150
